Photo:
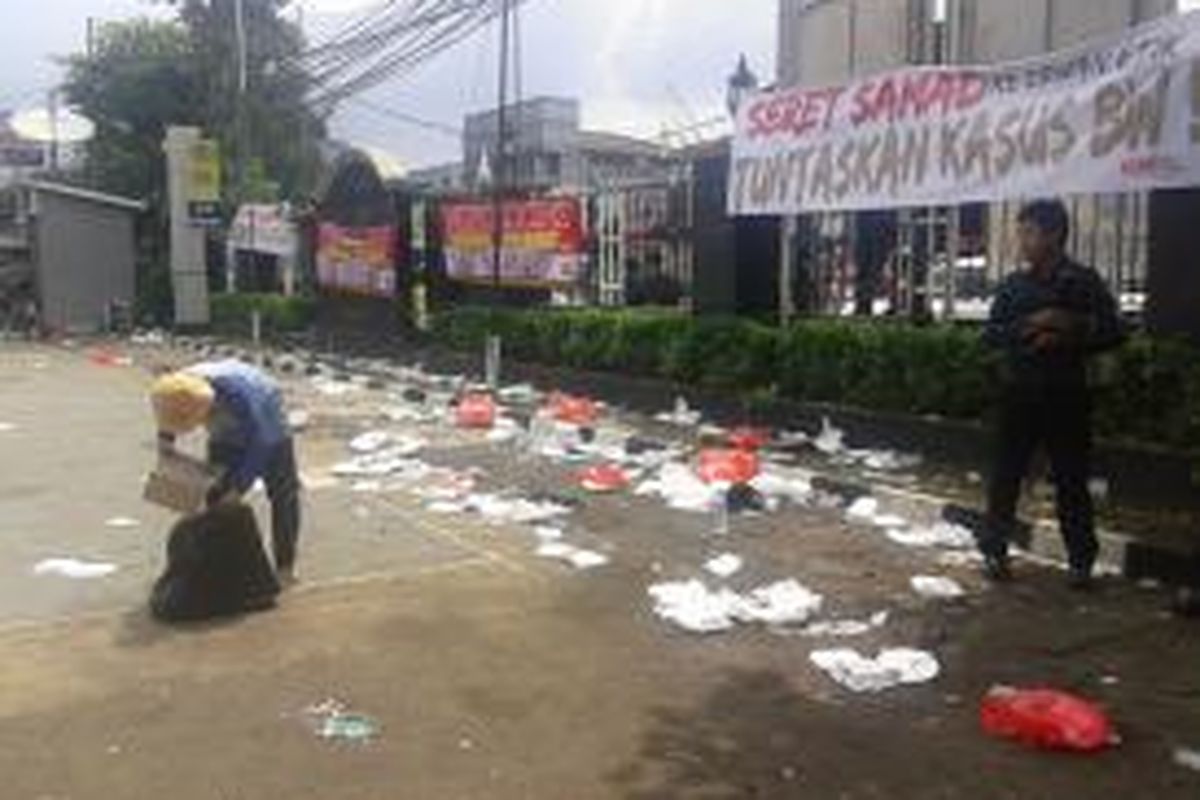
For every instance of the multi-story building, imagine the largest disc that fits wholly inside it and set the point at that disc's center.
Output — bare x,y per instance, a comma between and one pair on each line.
547,148
832,41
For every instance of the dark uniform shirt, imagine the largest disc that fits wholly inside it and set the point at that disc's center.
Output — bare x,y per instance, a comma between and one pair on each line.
1072,288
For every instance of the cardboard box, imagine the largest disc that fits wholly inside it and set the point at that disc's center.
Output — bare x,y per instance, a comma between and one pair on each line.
179,482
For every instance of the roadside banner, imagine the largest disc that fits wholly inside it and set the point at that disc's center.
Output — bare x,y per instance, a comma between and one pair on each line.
1116,115
542,243
264,229
357,260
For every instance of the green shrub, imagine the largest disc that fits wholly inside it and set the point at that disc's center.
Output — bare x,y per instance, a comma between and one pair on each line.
233,312
1151,393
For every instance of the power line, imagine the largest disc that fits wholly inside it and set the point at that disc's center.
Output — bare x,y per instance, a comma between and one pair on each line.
410,119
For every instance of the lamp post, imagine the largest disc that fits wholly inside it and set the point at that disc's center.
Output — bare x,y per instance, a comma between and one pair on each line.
742,83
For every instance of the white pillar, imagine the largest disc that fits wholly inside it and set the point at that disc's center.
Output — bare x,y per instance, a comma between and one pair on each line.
189,276
787,267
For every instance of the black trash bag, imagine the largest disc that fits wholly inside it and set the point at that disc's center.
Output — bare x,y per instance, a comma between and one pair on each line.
216,567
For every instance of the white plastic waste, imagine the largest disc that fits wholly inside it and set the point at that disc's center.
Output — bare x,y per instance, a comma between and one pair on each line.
682,490
793,487
942,535
370,442
514,510
121,522
519,394
7,427
505,430
831,441
395,458
74,568
864,509
725,565
1188,759
937,588
693,607
298,420
681,415
548,533
846,628
891,668
780,604
577,557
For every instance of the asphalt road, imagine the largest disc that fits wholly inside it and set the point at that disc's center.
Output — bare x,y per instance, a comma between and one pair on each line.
495,674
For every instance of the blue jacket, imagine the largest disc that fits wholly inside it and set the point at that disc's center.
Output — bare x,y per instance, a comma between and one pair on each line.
247,422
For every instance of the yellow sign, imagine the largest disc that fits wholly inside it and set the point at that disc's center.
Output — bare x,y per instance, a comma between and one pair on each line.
204,180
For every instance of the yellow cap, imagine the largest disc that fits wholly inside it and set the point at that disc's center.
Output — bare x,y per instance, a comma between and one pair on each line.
182,402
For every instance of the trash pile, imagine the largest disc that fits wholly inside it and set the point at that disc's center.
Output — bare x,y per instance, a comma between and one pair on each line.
695,608
891,668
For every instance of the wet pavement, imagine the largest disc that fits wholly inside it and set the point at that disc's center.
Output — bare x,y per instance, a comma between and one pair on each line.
494,673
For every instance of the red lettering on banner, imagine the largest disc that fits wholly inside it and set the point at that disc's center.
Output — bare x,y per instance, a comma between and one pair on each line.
916,95
794,113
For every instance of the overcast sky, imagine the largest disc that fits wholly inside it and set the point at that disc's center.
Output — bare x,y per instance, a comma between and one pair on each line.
636,65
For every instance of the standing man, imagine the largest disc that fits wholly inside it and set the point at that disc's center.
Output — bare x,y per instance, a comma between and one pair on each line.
1048,320
248,437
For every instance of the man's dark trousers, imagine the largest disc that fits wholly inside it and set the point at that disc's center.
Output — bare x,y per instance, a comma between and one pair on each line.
1059,421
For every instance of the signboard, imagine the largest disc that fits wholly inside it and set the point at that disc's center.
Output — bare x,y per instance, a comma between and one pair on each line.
542,242
357,260
263,229
1112,116
204,181
22,156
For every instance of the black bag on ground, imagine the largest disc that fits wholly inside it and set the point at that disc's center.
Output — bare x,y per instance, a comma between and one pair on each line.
216,567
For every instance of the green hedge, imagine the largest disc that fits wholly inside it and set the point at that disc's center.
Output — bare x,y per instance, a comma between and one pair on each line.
232,312
1150,391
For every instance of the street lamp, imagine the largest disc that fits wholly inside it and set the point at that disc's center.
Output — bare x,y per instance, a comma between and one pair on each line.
742,84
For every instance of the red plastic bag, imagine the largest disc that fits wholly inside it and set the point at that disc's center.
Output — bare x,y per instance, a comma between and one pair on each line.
1046,719
476,411
603,478
728,466
103,357
749,438
573,410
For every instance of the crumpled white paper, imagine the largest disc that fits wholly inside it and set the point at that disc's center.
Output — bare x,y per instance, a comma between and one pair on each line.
937,587
370,442
943,535
121,522
725,565
74,568
682,415
831,441
681,488
891,668
577,557
846,628
691,605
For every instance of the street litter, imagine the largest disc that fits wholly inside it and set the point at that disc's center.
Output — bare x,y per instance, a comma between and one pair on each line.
891,668
846,628
397,457
603,478
937,588
515,510
796,489
572,410
831,440
681,415
864,509
694,607
728,466
942,535
724,566
548,533
332,720
121,522
681,489
519,394
331,388
780,604
883,460
73,568
748,438
148,338
370,442
1188,759
1046,719
476,411
577,557
366,487
794,438
959,559
505,430
298,420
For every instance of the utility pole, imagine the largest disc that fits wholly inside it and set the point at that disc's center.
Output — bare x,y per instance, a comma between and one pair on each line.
501,160
241,132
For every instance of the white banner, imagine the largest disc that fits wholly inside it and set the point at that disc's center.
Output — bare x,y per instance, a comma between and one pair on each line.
1110,116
